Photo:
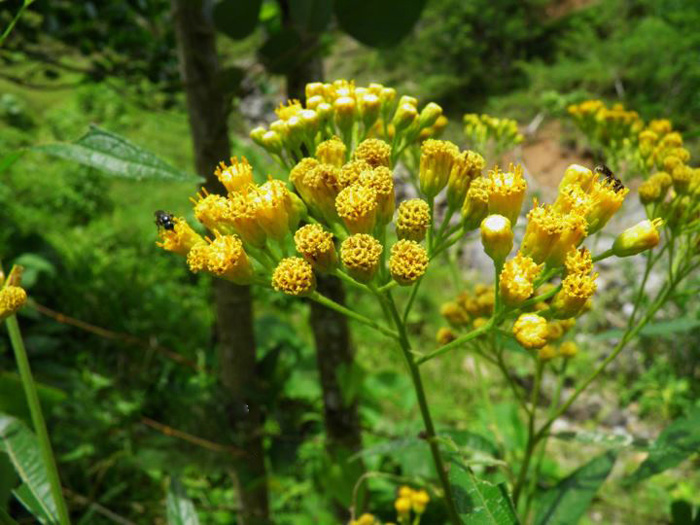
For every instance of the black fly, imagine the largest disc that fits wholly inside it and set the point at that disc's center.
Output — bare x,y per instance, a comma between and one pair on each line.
610,177
164,220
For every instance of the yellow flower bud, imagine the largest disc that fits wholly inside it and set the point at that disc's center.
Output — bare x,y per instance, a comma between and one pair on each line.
405,491
467,166
671,162
420,499
323,186
227,259
360,255
576,290
180,239
357,207
517,278
374,152
454,313
344,108
332,152
436,160
408,262
365,519
547,353
476,204
403,506
314,102
682,176
649,192
530,331
507,192
236,176
271,204
316,246
544,228
294,276
606,198
350,172
413,220
243,219
568,349
497,237
576,175
660,126
256,135
640,237
479,322
445,335
405,115
429,115
370,106
314,89
12,298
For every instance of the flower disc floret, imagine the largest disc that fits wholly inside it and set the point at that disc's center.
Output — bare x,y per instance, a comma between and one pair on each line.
517,278
235,176
294,276
332,151
413,220
408,262
360,255
507,192
316,246
357,207
374,152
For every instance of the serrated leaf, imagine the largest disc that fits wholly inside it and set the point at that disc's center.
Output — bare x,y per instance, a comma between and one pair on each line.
115,155
22,448
480,502
568,501
180,509
311,16
236,18
675,443
378,24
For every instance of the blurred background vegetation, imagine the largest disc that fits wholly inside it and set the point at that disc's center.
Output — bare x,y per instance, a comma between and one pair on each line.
110,309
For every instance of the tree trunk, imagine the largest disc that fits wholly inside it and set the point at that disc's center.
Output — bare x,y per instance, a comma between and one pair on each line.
208,112
334,350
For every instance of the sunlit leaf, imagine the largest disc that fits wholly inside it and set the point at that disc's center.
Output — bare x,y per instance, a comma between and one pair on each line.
180,509
480,502
115,155
568,501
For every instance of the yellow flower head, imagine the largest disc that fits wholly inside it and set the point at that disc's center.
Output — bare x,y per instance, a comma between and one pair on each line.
351,171
639,238
420,500
316,246
227,259
573,199
413,220
12,298
272,205
476,204
682,177
576,290
530,331
236,176
544,228
517,278
288,110
323,185
180,239
198,257
575,228
661,126
454,313
357,207
576,175
214,211
294,276
568,349
671,162
344,112
360,255
606,198
365,519
436,160
467,166
374,152
496,237
297,175
408,262
445,335
663,179
649,191
547,353
403,506
243,219
381,180
672,140
507,192
578,262
332,151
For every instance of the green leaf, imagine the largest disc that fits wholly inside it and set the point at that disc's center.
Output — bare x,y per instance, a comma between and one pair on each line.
378,24
568,501
116,156
13,402
675,443
8,160
604,439
660,329
180,509
5,518
25,496
22,448
237,18
280,53
311,16
480,502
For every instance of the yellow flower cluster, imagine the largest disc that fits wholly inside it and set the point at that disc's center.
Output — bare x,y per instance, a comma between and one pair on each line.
606,127
12,298
408,500
485,131
343,109
468,310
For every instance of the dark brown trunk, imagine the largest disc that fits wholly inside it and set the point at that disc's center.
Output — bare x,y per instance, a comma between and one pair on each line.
334,351
235,340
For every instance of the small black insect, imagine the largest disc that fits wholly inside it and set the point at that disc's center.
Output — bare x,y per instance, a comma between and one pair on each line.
164,220
610,177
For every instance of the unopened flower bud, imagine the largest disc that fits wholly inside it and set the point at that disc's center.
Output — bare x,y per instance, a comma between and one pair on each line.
413,220
360,255
404,117
639,238
344,108
408,262
436,160
294,276
476,204
547,353
530,331
445,335
497,237
256,135
332,151
12,298
429,115
316,246
568,349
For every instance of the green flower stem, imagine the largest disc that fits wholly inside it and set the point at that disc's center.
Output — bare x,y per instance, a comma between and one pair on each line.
325,301
425,411
387,286
640,292
457,342
431,230
38,422
604,255
352,282
411,299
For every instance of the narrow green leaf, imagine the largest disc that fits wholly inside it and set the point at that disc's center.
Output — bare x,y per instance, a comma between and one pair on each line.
480,502
180,509
568,501
115,156
22,448
675,443
27,498
237,18
378,24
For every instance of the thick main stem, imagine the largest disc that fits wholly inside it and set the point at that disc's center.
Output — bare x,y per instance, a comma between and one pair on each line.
25,374
425,412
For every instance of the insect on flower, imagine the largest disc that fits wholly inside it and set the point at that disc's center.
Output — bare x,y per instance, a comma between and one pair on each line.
164,220
606,172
